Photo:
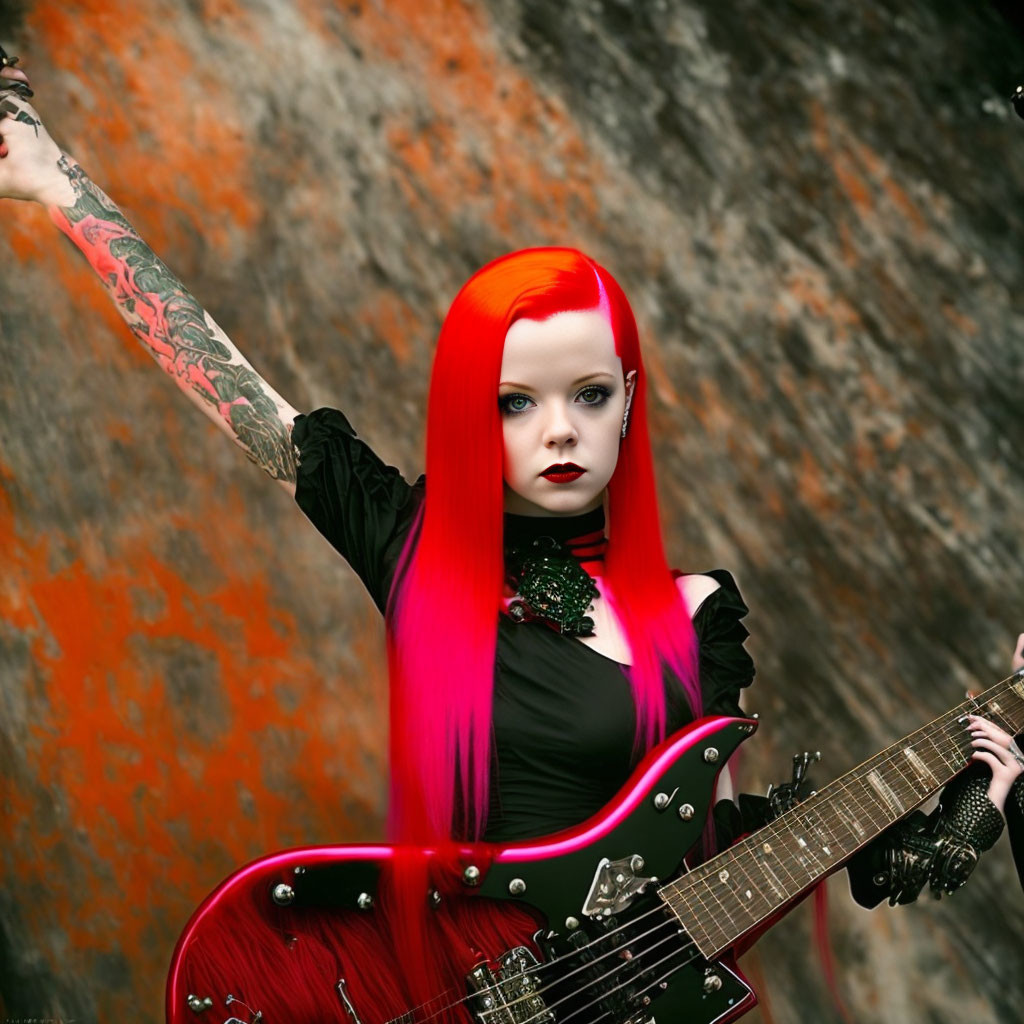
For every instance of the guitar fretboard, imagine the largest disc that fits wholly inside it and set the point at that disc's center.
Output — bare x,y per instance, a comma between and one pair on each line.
725,897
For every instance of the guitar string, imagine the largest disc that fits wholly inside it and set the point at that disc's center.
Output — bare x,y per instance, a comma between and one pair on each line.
410,1014
733,856
654,984
633,962
844,789
950,730
945,730
659,908
618,988
745,857
843,784
667,922
634,958
744,864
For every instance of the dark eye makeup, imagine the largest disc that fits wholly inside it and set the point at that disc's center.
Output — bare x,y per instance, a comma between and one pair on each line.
515,402
594,394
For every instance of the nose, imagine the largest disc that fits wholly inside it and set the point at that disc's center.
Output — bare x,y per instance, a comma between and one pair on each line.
559,429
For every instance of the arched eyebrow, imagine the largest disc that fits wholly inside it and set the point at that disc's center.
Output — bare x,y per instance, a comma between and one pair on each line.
575,383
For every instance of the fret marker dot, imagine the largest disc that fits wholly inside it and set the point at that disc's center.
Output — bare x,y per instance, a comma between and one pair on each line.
723,875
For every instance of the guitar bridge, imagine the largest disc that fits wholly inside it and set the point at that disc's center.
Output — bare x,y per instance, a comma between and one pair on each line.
507,992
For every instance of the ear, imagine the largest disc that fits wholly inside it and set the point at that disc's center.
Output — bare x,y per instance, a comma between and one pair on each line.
630,384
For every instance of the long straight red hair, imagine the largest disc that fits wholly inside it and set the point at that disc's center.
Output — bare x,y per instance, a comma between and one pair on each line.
444,605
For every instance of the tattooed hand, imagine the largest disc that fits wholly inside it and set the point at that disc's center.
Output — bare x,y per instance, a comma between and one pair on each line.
29,158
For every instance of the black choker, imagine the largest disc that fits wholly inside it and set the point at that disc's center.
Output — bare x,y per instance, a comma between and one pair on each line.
542,561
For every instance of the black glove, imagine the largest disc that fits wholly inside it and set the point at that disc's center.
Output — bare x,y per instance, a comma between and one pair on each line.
938,850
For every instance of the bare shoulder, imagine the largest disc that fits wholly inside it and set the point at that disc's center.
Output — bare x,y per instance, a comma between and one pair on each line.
696,589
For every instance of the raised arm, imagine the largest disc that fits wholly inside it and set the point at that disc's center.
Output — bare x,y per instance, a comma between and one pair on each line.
160,311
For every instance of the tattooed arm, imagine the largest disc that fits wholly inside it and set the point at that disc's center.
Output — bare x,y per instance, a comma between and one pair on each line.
171,325
162,314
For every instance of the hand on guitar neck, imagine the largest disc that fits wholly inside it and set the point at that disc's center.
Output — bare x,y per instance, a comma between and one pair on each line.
941,850
996,748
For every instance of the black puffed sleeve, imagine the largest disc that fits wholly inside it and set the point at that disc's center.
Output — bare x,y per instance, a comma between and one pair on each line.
725,666
363,506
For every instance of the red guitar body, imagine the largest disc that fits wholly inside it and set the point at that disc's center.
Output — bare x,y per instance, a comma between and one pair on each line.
569,928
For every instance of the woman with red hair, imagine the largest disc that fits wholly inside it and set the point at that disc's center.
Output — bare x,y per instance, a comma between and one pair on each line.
537,411
538,643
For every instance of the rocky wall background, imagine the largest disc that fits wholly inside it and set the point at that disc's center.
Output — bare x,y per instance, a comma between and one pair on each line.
816,210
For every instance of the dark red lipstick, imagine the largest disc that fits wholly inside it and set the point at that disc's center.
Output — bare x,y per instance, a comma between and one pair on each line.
563,473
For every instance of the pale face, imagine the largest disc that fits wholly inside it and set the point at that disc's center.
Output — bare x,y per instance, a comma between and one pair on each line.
561,397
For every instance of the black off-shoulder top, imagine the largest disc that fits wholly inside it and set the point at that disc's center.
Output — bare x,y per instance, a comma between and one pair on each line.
563,718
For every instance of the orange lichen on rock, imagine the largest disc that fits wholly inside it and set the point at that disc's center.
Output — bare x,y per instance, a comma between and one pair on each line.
861,172
162,787
155,132
503,123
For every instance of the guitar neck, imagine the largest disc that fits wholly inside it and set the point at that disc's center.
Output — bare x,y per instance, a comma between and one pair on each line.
725,897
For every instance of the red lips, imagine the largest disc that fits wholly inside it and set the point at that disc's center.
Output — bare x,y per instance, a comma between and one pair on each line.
563,473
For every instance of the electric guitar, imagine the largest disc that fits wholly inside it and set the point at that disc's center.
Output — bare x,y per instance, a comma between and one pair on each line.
599,924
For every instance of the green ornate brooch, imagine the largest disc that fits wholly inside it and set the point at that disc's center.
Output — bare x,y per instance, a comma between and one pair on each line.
551,587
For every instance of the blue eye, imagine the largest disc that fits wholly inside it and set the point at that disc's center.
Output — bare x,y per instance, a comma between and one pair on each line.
593,394
514,403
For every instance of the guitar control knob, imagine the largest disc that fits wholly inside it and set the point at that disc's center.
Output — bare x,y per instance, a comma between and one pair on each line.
471,876
517,887
283,895
711,755
364,901
712,983
686,812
